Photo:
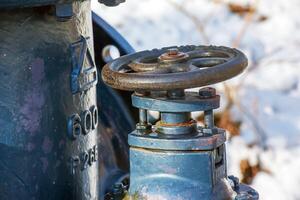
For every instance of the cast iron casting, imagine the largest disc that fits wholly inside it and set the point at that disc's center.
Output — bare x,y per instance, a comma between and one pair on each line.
56,140
62,4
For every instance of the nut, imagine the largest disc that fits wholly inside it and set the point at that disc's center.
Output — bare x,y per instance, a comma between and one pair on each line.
243,196
235,181
143,128
172,52
173,55
207,92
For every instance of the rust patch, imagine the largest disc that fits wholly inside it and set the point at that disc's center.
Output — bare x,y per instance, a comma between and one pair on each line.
161,123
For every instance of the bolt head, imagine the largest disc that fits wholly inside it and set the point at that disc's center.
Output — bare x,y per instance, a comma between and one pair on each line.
207,92
209,131
243,196
173,55
143,128
172,51
118,186
235,181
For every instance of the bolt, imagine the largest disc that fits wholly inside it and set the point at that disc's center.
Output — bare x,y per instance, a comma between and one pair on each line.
243,196
235,181
118,191
117,187
173,55
173,52
207,92
144,128
209,131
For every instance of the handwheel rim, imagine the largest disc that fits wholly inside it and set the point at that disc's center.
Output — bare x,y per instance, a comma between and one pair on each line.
235,64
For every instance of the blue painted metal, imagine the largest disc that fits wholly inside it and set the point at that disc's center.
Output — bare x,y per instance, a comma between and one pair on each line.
176,160
29,3
39,157
174,117
82,79
173,174
189,103
105,34
173,158
155,140
63,8
64,11
111,2
114,116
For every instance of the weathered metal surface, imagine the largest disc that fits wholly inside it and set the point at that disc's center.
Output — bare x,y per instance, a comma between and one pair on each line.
111,2
203,65
82,79
115,120
38,160
27,172
244,192
114,125
174,175
189,142
190,102
105,34
175,159
32,3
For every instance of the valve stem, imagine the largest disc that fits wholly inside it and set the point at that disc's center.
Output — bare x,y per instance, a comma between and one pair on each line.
143,116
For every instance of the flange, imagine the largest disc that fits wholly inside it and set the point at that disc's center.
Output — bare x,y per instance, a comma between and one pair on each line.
198,142
190,102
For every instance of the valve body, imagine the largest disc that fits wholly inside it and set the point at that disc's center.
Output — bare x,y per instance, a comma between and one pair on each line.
176,159
48,112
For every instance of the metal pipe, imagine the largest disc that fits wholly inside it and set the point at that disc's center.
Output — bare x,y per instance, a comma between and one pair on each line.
175,118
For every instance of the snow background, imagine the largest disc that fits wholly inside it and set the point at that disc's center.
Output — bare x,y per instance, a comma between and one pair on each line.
269,91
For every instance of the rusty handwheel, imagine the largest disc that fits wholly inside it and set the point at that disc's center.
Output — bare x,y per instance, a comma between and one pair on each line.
174,68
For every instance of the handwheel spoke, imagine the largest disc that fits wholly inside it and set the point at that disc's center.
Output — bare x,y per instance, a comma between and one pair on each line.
207,62
207,54
143,67
158,71
147,62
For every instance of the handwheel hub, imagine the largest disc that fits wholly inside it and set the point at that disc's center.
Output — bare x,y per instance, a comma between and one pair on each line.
173,55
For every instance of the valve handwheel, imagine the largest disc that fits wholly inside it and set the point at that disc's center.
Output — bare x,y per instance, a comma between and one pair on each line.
190,159
174,68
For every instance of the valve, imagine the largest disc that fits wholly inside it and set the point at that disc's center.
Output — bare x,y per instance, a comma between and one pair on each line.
175,158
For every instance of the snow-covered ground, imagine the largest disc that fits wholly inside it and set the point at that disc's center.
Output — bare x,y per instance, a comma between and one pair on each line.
269,91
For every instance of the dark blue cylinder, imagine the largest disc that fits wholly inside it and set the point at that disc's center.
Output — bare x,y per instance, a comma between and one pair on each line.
39,55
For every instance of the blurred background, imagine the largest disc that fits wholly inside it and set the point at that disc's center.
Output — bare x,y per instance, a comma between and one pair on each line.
260,108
